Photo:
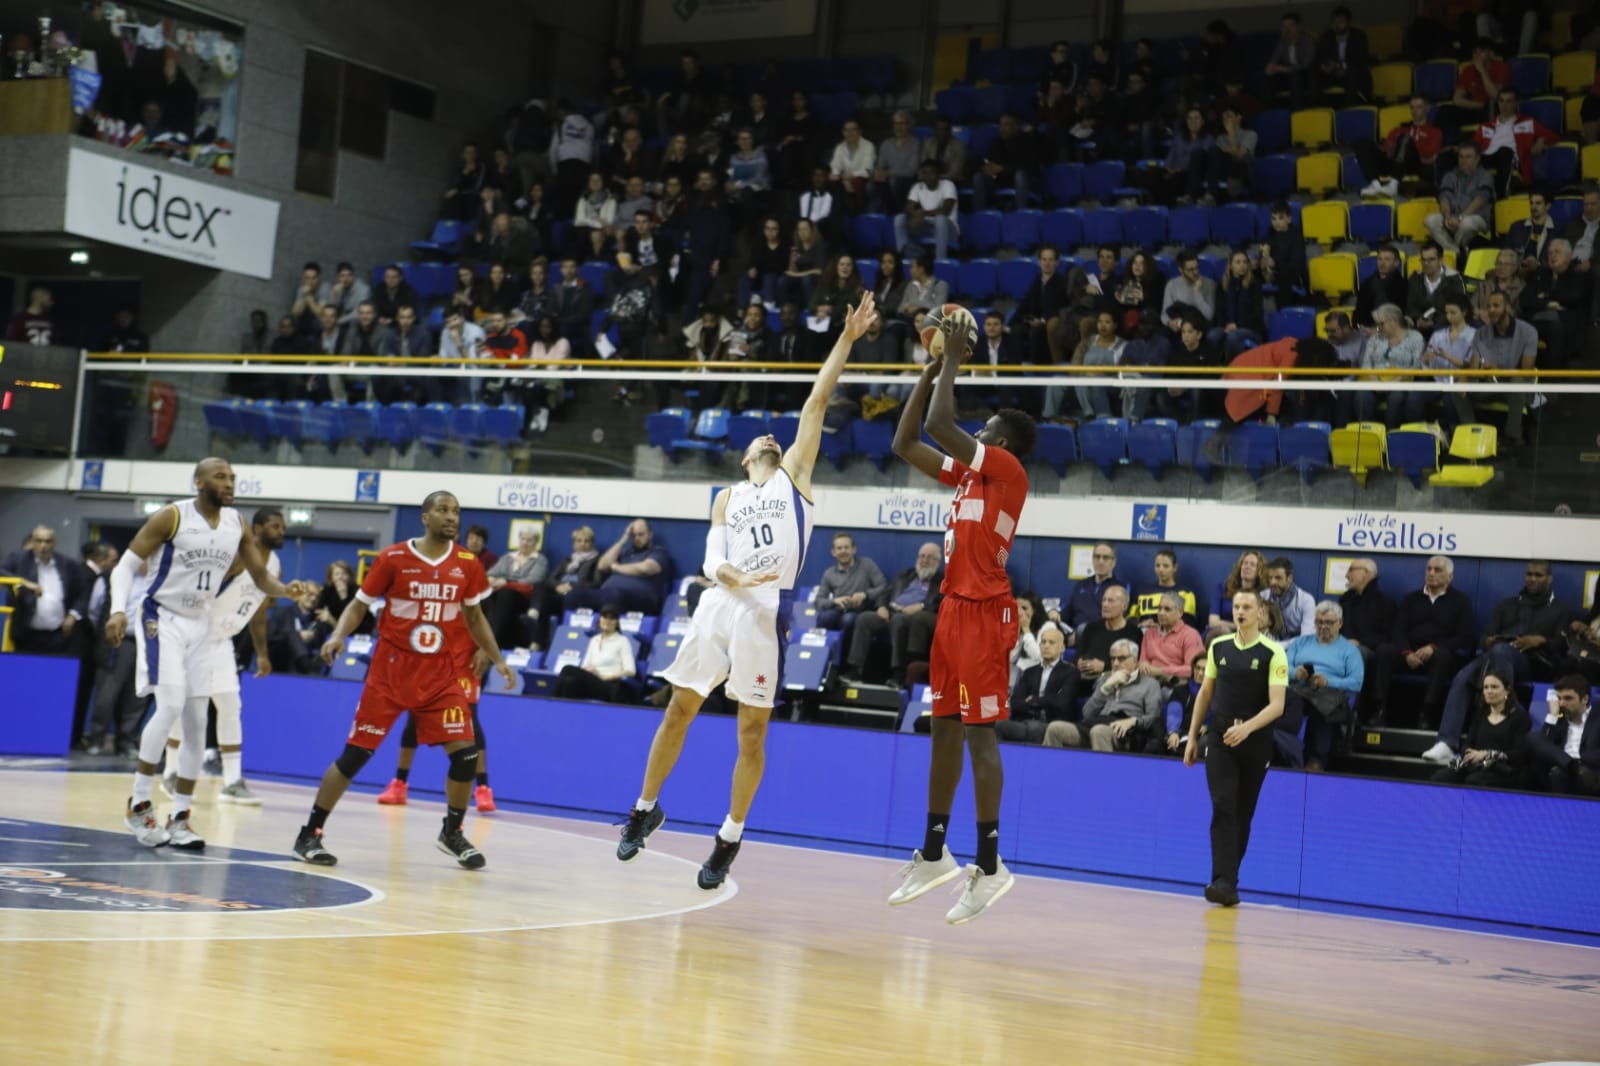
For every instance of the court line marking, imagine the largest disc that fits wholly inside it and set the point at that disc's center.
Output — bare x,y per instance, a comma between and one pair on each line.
51,843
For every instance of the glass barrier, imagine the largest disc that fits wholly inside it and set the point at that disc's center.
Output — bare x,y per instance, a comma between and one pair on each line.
1474,441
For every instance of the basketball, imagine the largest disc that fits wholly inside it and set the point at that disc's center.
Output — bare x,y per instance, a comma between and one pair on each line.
933,339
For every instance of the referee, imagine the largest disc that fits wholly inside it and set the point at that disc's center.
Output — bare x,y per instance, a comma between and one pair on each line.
1247,675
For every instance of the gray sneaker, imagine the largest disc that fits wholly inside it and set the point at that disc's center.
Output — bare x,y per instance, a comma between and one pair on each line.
181,836
142,821
979,892
921,876
212,767
239,793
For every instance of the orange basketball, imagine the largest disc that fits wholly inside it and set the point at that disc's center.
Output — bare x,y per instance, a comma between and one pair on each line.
933,336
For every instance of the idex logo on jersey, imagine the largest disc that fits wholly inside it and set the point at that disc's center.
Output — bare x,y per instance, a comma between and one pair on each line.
179,218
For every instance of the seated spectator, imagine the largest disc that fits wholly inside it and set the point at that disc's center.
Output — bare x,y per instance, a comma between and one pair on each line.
1175,737
409,338
394,293
1147,596
574,306
511,244
1138,115
1292,64
461,195
1392,347
1529,238
1283,258
749,183
1387,285
1011,160
646,250
808,255
1189,292
889,292
1526,637
750,341
1506,278
1295,604
512,579
1344,61
907,611
539,297
1507,343
1510,141
1250,574
704,336
1140,289
1083,604
309,298
461,339
501,293
1060,68
851,166
469,295
576,570
1408,151
256,340
1580,232
1227,161
800,142
1265,404
1450,348
1241,320
947,151
1025,653
769,260
1466,204
1557,301
1094,132
848,587
923,292
608,665
539,396
1347,343
1368,620
294,637
760,121
1126,711
1149,346
1565,751
1094,644
1182,175
1430,287
1219,60
1326,673
898,163
1043,694
628,159
1583,647
839,287
1477,85
995,348
1103,347
633,574
534,209
1432,635
1168,648
1497,742
593,218
930,209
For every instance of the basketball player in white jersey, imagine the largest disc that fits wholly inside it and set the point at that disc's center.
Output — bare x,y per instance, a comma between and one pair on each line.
239,604
191,546
754,552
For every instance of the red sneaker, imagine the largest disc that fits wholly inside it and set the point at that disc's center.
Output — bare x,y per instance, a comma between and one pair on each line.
394,795
483,799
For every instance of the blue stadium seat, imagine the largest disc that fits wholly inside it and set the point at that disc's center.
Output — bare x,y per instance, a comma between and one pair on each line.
1298,322
1015,276
1103,180
1057,446
1020,229
806,660
351,664
980,230
1372,224
1435,81
1189,226
255,421
1103,226
290,418
433,425
981,136
874,439
466,425
1564,208
867,268
1413,452
1272,130
710,432
324,423
1064,182
871,233
1154,442
596,274
1212,266
567,645
1304,446
1366,266
1192,446
1355,124
835,446
785,427
1104,443
803,613
947,271
663,427
919,706
976,279
956,103
746,427
432,281
223,417
662,651
988,103
361,424
1547,110
1531,75
584,618
445,242
1556,166
397,424
503,425
1145,227
1254,446
1233,224
1272,176
1062,228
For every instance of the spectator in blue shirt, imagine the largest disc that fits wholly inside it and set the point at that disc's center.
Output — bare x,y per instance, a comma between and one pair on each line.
1083,606
633,574
1326,672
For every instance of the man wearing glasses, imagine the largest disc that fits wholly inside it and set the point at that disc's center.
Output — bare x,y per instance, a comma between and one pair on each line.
1326,672
1083,606
1124,714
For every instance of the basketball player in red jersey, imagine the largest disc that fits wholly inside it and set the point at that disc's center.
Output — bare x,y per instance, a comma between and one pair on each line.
970,663
433,587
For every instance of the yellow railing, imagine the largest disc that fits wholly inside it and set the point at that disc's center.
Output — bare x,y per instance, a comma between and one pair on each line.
10,585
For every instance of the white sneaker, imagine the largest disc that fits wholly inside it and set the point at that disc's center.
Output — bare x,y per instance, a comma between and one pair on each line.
239,793
1440,753
182,836
979,892
142,821
919,877
1391,188
1372,188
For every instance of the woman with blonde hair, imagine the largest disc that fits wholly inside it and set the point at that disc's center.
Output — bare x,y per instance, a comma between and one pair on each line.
1249,574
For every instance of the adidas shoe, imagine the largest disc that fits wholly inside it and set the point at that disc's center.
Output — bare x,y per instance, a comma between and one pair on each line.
239,793
308,848
639,827
980,891
181,835
142,821
714,870
455,844
921,876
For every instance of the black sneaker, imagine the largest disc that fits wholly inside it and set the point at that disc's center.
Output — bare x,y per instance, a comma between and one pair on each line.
454,842
715,869
1223,893
308,848
639,826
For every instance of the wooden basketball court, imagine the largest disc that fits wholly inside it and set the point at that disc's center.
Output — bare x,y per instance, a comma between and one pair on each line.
557,953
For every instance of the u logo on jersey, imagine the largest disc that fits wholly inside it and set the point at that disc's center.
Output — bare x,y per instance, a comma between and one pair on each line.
427,640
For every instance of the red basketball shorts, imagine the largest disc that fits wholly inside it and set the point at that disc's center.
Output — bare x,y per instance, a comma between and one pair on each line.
969,670
441,709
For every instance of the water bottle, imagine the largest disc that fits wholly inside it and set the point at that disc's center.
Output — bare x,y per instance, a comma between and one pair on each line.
1552,713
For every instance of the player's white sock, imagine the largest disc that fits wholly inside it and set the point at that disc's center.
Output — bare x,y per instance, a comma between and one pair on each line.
143,786
232,768
731,830
643,804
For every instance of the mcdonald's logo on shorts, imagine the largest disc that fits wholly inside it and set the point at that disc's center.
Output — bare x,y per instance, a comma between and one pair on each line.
453,718
962,698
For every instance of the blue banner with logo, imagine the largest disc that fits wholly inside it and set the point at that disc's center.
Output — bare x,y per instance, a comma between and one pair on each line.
85,87
367,482
94,474
1149,521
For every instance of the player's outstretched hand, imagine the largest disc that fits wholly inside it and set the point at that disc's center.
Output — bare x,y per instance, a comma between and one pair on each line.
116,629
955,339
860,317
330,651
505,672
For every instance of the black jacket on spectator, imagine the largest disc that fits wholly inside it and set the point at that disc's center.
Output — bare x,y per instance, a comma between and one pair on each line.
1241,305
1571,290
1368,615
930,602
1045,298
1419,303
706,231
1375,292
1097,640
1056,704
1549,742
1445,622
75,586
1014,153
1289,259
387,302
1523,615
574,307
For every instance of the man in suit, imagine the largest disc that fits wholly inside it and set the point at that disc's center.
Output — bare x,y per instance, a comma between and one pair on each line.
1043,694
1368,617
98,559
907,611
51,599
1531,237
1343,58
1567,751
1432,636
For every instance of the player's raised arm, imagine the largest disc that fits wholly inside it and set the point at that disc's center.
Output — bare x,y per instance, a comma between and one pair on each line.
802,454
942,426
908,443
156,531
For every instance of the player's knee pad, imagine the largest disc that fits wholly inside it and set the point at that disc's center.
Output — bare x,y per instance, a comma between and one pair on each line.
230,727
351,760
408,739
464,764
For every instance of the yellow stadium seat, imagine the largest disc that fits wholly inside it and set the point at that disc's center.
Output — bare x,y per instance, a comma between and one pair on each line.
1474,443
1409,216
1311,128
1322,319
1572,72
1392,115
1573,113
1480,263
1332,275
1392,81
1318,174
1414,262
1326,222
1591,162
1386,40
1508,213
1360,447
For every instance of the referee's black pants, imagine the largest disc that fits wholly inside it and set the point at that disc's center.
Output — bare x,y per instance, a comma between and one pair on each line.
1234,776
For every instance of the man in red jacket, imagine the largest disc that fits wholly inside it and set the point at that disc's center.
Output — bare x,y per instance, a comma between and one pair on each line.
1510,140
1408,151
